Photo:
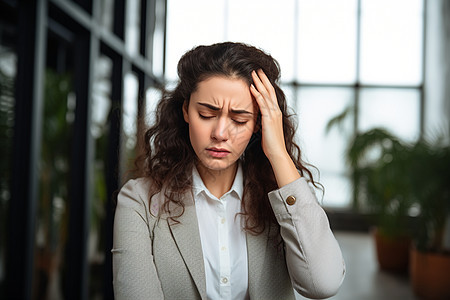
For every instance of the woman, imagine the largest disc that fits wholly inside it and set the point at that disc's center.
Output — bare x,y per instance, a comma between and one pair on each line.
223,209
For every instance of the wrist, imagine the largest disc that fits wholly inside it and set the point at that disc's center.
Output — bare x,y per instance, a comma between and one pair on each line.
284,169
279,157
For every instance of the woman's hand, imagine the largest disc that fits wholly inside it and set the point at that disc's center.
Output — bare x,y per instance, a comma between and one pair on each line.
271,117
272,142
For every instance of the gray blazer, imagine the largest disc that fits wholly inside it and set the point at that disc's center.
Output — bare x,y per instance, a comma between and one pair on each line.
161,259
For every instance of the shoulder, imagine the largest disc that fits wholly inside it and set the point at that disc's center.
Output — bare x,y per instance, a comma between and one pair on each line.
136,193
140,186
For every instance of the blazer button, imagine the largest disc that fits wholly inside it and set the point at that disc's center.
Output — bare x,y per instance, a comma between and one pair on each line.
290,200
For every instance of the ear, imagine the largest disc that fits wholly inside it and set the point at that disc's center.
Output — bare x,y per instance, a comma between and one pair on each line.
185,111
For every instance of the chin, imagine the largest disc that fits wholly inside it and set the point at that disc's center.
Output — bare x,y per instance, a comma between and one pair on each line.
217,165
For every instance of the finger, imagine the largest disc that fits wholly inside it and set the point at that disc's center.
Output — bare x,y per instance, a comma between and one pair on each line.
267,84
258,97
262,104
260,85
266,90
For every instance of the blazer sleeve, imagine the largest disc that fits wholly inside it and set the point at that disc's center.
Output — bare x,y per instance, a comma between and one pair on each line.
313,256
134,272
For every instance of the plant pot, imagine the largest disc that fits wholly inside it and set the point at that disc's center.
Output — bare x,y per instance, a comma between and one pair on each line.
430,274
392,252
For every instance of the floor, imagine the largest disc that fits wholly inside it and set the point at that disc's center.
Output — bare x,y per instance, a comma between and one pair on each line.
364,281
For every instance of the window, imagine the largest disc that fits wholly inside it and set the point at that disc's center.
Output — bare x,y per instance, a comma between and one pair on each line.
84,68
333,54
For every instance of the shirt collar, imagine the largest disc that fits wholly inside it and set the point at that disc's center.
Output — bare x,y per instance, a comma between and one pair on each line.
237,187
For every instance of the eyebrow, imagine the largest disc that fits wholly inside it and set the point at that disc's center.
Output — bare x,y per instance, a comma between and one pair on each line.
215,108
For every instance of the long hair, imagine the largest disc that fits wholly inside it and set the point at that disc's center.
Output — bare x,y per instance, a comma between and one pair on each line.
168,157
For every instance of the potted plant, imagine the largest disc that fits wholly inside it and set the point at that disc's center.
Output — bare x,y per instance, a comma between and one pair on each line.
379,163
430,187
395,178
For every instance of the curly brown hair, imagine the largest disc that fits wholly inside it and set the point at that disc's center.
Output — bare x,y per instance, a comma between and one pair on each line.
168,157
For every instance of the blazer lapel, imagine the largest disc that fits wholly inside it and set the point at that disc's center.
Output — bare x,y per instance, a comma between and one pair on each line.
187,237
256,253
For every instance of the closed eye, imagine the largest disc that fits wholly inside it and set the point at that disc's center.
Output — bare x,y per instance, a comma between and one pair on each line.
205,117
240,122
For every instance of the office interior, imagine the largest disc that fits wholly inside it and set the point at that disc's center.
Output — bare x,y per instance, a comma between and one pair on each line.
80,80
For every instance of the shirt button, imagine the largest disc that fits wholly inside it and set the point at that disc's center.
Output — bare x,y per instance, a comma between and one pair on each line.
224,280
223,248
290,200
222,220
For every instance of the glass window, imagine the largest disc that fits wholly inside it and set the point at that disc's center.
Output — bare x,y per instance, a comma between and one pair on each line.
391,42
8,59
107,14
327,41
320,44
157,49
315,107
101,108
291,96
191,23
129,121
267,25
397,110
54,182
152,97
132,27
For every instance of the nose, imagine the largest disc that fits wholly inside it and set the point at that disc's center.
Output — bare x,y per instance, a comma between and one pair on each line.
220,131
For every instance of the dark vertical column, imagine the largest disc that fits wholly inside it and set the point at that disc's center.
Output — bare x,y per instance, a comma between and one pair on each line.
119,19
27,139
76,251
144,25
141,112
112,167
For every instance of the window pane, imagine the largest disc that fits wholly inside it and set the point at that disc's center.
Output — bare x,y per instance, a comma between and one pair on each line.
132,27
129,118
54,182
315,107
8,71
157,51
327,41
397,110
107,14
338,190
291,97
101,95
101,110
191,23
391,42
269,26
152,97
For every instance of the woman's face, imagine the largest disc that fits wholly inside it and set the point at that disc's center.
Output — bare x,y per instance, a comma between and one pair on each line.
221,115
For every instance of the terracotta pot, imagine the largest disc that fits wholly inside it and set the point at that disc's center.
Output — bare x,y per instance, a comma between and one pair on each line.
392,252
430,274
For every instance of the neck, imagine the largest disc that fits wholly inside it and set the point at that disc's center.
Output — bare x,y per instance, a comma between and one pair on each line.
218,182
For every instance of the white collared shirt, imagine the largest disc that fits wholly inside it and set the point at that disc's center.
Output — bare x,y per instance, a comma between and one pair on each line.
223,239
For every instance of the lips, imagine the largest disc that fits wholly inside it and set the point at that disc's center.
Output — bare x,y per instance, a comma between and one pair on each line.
218,152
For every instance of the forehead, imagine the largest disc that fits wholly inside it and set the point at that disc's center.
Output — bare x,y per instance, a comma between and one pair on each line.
222,91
